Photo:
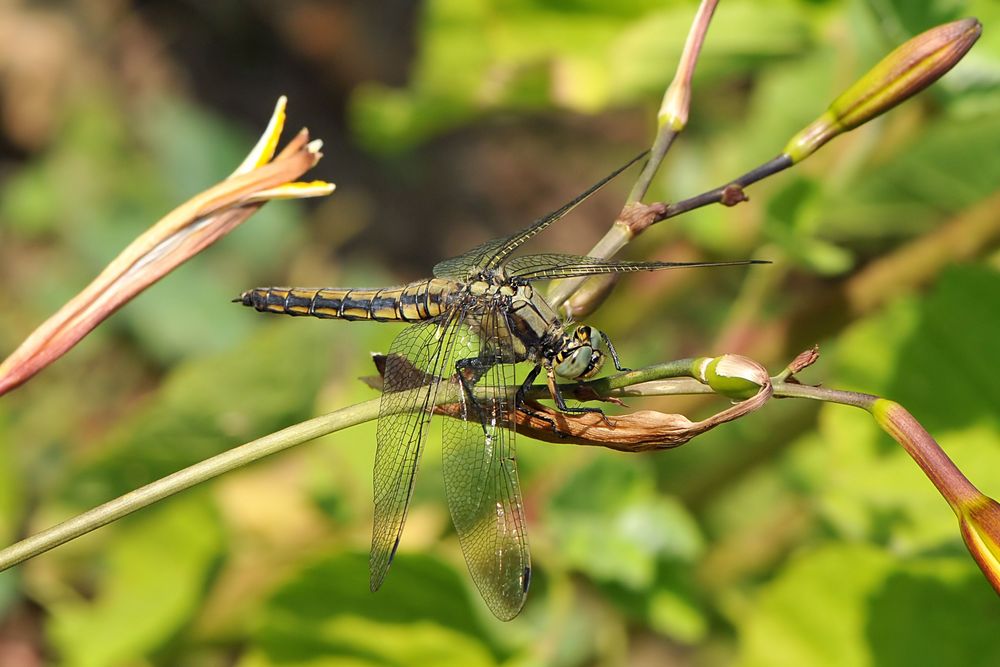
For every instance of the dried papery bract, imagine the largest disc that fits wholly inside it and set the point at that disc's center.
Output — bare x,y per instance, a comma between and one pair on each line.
179,235
639,431
643,430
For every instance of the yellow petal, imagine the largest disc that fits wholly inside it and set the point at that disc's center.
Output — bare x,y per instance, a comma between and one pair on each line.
296,190
268,142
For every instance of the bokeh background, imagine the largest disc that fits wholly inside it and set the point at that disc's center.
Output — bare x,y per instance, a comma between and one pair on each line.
798,536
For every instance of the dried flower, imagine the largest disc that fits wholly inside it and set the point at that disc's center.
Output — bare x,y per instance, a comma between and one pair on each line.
178,236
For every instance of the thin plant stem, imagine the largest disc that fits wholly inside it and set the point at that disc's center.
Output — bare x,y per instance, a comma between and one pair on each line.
671,120
270,444
669,378
185,479
795,390
673,115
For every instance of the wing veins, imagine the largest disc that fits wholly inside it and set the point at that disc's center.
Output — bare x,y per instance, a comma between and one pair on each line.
481,476
491,254
402,429
555,266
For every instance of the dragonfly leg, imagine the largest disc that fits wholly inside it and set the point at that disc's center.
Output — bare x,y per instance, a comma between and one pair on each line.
522,391
561,402
521,395
556,396
614,354
478,367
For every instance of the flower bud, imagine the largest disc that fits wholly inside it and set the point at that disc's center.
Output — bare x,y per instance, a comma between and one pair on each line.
979,519
906,71
731,375
591,295
978,514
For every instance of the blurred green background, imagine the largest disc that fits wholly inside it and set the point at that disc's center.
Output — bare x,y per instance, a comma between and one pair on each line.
799,536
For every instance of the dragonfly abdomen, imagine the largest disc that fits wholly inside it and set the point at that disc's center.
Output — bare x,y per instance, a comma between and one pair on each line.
417,301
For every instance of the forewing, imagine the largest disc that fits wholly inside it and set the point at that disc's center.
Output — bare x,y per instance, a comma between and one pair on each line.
491,254
459,268
554,266
480,473
417,360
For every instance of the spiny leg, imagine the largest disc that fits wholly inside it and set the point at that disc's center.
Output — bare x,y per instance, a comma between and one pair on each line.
556,396
521,396
478,366
561,402
614,354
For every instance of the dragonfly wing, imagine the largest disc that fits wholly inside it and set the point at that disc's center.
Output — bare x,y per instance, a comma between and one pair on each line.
554,266
480,473
491,254
459,268
416,362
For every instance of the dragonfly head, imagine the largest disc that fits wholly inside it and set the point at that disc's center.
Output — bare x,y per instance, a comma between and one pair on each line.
582,354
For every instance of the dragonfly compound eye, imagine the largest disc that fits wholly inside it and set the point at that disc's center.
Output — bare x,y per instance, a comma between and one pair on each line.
580,357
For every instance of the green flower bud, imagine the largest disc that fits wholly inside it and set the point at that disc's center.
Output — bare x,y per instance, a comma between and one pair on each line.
903,73
731,375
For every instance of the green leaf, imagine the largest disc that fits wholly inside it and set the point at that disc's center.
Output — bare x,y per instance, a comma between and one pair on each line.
670,604
854,605
744,37
786,97
926,354
674,615
916,17
153,582
208,405
950,167
10,484
793,216
609,522
479,56
325,615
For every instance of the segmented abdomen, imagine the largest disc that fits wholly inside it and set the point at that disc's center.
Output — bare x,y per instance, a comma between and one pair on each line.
410,303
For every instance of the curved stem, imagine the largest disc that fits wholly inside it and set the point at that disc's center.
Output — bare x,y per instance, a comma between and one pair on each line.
658,379
673,114
265,446
185,479
729,194
795,390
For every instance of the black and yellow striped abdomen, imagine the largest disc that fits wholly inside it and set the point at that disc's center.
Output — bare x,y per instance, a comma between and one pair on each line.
417,301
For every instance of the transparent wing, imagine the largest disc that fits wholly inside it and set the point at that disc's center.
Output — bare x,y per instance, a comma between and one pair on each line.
491,254
553,266
417,360
480,473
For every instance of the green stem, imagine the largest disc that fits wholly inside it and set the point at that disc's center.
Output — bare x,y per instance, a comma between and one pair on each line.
661,145
669,369
673,114
356,414
265,446
719,194
185,479
794,390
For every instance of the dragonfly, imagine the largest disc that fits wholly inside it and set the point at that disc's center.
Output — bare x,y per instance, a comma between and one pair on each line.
469,327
